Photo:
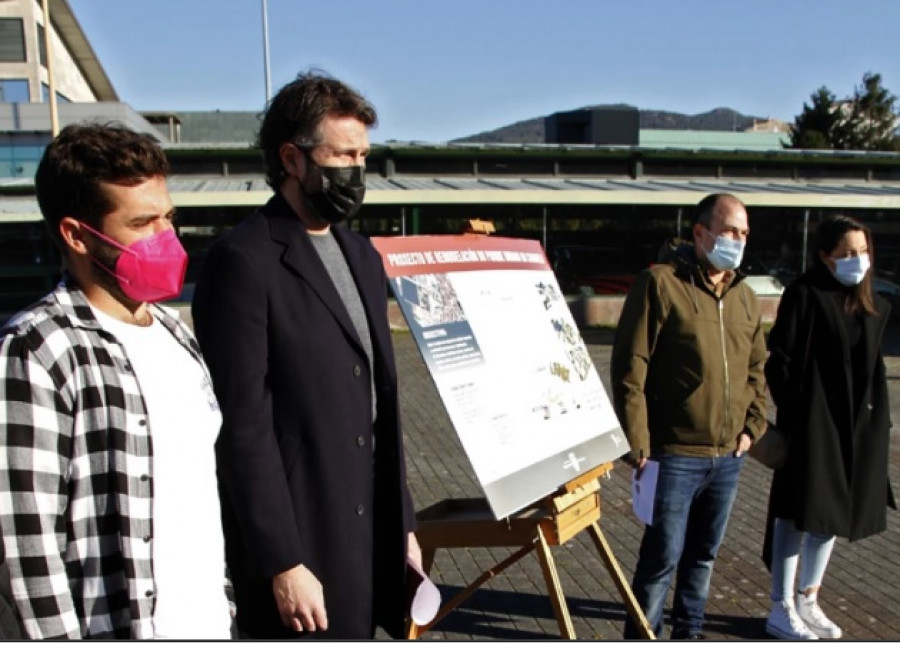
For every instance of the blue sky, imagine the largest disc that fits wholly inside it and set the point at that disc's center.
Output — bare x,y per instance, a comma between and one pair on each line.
440,70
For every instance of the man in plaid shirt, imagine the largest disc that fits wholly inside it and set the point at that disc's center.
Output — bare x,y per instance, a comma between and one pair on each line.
108,502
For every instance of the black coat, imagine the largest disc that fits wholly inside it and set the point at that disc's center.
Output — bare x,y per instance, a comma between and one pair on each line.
835,481
299,481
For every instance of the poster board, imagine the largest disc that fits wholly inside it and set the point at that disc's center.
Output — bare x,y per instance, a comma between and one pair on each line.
507,359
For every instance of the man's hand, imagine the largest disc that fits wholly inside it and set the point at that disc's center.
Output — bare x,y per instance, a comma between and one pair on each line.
637,464
301,604
414,551
744,441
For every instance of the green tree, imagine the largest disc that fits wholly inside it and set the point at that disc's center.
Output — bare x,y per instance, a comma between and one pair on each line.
815,127
871,122
864,122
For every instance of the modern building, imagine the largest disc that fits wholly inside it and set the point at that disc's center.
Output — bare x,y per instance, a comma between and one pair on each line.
24,76
82,88
602,211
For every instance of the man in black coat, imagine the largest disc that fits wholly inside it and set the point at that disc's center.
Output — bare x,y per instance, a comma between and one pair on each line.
290,311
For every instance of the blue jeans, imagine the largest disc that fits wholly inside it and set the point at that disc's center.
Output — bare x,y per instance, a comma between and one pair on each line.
786,543
690,512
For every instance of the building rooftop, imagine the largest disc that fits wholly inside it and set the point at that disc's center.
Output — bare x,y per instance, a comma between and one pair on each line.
212,126
76,42
249,191
695,139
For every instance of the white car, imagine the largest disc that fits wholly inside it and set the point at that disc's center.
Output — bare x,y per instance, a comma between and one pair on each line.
769,286
764,285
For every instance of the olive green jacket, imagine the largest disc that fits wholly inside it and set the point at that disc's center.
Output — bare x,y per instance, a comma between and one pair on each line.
687,364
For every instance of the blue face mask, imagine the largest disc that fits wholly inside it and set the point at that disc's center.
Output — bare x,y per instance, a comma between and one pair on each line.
726,253
851,270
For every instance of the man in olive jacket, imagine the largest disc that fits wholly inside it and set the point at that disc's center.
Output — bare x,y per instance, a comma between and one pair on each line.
689,390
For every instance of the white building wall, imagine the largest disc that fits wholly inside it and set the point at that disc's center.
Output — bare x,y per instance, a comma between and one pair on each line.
70,82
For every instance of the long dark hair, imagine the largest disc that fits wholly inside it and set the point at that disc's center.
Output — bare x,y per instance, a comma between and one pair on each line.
828,235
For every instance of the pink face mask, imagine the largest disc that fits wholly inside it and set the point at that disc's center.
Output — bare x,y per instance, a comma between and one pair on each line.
151,269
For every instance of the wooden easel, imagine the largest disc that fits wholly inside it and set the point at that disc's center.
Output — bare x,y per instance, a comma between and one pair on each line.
457,523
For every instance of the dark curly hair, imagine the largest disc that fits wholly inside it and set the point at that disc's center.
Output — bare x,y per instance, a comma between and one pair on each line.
297,111
80,159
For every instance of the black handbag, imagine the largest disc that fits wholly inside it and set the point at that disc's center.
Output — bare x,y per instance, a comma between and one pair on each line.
771,449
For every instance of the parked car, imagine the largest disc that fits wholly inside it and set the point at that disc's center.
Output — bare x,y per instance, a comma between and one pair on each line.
601,271
884,287
764,285
771,285
607,271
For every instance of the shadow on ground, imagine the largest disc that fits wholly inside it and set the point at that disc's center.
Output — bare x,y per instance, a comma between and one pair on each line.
488,614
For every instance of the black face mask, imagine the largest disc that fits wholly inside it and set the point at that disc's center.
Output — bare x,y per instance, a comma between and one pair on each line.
340,193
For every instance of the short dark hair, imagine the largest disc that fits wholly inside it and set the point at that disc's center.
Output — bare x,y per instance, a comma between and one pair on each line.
297,111
76,162
705,208
828,235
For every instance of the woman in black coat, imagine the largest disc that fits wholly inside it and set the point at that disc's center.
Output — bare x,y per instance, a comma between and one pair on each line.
826,375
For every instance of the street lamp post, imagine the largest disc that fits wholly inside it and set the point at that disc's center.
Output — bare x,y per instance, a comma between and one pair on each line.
51,83
265,25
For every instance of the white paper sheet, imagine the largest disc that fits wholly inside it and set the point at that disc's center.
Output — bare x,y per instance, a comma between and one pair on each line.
643,491
426,598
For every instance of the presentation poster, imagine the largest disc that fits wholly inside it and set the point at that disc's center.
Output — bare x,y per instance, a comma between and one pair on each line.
507,359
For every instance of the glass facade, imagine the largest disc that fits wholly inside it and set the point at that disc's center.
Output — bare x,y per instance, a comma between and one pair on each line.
14,91
600,247
45,95
595,248
20,154
29,264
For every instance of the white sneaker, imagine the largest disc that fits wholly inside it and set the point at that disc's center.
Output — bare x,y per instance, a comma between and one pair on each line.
784,623
809,611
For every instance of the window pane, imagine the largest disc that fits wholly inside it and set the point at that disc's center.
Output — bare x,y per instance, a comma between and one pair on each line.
42,45
45,95
14,90
12,39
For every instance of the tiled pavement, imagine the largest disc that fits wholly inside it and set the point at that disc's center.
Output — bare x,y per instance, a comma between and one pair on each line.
861,590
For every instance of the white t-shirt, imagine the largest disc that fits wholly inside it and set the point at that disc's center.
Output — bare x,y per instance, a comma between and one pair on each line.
188,548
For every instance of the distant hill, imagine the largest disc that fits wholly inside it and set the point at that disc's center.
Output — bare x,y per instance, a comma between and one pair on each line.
531,131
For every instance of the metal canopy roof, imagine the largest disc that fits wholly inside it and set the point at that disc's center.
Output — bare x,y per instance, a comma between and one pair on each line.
479,150
600,191
250,191
652,149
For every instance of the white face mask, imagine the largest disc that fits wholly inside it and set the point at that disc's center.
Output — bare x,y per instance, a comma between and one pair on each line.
851,270
726,253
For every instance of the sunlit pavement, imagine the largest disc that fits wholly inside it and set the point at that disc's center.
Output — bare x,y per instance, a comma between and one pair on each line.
861,591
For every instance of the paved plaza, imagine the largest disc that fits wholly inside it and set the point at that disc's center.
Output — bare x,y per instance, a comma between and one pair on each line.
861,591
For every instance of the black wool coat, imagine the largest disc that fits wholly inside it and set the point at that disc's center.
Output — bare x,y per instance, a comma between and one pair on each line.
300,481
835,481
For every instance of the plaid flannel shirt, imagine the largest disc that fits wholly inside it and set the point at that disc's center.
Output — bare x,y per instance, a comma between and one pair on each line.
76,472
